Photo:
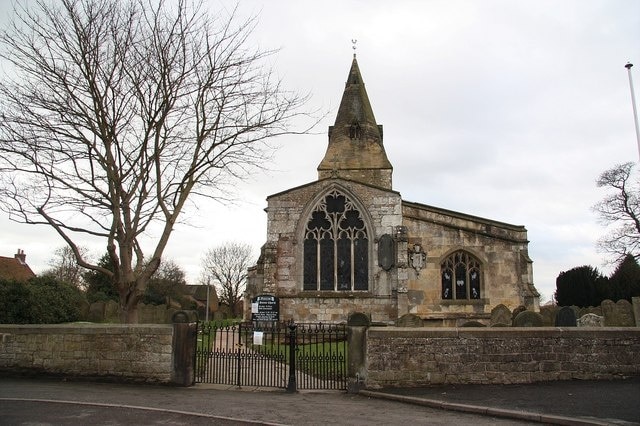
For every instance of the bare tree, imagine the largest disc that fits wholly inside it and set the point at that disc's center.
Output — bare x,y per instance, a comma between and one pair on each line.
620,210
227,266
115,113
64,266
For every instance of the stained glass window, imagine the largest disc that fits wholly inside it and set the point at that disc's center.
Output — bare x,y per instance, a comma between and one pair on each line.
336,254
461,277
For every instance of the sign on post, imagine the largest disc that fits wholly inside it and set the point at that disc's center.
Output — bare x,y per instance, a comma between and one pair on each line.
265,308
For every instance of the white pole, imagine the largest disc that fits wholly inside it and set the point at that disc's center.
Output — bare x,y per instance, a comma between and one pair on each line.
633,103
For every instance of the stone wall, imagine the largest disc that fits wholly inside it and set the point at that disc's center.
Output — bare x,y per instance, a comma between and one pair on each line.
141,353
109,312
417,357
281,266
502,250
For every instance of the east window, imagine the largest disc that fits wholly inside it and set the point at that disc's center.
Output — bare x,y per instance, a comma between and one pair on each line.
336,253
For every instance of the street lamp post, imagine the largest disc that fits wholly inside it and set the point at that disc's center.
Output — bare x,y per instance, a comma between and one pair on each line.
633,104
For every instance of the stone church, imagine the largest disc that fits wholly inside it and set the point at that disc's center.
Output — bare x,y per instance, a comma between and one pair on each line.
348,243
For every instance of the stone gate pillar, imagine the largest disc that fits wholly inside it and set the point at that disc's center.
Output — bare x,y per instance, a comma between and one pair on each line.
357,326
185,329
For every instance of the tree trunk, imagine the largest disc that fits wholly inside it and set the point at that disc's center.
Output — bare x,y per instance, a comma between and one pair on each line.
129,315
130,297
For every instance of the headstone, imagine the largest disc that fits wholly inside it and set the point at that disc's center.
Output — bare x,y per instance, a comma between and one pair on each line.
409,320
590,310
517,311
566,317
112,312
590,320
624,312
528,319
618,314
549,313
608,312
96,312
576,311
358,319
636,310
500,316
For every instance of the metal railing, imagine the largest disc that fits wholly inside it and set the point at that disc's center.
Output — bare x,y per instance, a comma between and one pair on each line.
273,354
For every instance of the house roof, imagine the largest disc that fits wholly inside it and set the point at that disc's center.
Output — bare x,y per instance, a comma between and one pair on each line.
15,269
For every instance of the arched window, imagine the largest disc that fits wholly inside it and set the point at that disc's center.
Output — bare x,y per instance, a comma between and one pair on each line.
461,274
336,253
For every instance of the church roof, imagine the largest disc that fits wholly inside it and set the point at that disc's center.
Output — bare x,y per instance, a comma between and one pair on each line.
355,139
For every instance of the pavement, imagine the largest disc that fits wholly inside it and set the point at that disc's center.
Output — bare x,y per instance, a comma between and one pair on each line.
29,401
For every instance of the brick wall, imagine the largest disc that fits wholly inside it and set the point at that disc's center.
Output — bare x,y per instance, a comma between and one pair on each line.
121,352
415,357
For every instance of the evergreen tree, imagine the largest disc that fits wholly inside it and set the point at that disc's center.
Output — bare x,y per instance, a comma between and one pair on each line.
625,280
100,287
579,286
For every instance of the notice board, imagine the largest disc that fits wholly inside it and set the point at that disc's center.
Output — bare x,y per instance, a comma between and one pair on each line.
265,308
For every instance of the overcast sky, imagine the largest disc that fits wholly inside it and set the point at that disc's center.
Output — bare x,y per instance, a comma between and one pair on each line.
507,110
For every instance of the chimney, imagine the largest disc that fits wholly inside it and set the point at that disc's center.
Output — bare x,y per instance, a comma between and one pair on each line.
21,257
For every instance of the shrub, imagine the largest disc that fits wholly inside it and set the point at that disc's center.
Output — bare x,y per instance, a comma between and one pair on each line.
41,300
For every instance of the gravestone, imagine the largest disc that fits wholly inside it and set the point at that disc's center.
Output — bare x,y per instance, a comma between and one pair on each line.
636,310
590,310
618,314
624,313
566,317
590,320
549,313
608,312
517,311
96,312
409,320
112,311
576,311
500,316
528,319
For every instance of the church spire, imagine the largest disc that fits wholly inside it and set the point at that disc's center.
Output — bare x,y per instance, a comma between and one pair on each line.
355,149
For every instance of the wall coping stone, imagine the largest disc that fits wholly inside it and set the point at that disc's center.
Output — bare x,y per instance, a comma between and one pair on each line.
506,332
84,328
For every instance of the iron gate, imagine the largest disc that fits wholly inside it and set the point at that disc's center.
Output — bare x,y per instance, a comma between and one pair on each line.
259,354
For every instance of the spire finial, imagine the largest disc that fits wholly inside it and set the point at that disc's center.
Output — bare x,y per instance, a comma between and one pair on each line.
353,46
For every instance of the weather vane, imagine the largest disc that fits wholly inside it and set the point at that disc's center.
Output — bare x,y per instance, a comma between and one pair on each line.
354,47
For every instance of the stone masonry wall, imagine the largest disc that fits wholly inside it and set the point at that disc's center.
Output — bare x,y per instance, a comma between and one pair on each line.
281,268
417,357
121,352
506,273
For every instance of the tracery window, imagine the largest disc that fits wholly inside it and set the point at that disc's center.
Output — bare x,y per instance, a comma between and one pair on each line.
336,254
461,274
